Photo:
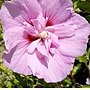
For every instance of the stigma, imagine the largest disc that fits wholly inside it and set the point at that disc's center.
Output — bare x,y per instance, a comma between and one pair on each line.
43,35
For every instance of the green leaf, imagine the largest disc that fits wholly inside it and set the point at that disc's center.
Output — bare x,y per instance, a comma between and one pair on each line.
9,84
86,86
88,54
68,81
76,6
83,59
76,69
84,5
88,18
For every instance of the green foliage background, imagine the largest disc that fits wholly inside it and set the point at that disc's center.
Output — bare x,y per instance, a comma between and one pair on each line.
77,77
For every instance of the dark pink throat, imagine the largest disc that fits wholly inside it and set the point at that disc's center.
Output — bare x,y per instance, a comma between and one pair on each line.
49,23
32,38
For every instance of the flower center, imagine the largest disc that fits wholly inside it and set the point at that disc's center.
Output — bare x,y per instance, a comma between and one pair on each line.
43,35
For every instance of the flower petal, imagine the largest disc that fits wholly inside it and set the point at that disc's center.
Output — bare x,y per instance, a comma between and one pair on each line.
11,15
40,22
16,12
42,49
47,44
12,37
57,11
64,30
32,46
73,48
54,39
76,45
32,7
51,71
16,59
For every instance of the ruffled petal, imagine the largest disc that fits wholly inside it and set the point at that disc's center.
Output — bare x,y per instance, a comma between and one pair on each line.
13,36
42,49
54,70
15,13
76,45
54,39
11,15
32,7
32,46
16,59
64,30
57,11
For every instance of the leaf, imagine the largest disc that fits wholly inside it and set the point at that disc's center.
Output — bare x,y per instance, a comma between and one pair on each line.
83,59
9,84
86,86
68,81
88,54
0,57
88,18
84,5
76,6
76,69
21,80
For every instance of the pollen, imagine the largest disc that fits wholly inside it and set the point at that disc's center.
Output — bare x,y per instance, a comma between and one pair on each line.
43,34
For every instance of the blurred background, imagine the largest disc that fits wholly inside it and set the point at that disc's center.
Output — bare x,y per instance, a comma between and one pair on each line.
76,79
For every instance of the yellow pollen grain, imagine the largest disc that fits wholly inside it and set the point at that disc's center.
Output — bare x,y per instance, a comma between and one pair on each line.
43,34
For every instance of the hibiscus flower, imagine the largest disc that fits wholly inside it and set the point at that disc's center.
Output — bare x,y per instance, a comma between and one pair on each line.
43,37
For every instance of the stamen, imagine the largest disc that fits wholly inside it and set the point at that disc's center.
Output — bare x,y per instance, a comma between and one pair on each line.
43,34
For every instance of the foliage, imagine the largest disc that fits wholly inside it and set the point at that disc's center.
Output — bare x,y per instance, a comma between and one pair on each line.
78,76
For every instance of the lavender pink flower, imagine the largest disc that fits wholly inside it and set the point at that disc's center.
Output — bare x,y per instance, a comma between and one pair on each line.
88,81
43,37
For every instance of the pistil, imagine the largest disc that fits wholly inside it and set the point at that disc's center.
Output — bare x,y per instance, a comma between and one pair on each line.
43,35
